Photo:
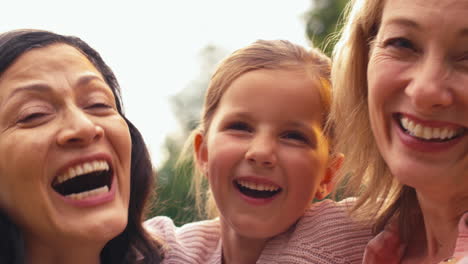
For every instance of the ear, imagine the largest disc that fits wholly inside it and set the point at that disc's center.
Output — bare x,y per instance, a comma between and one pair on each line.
327,184
201,152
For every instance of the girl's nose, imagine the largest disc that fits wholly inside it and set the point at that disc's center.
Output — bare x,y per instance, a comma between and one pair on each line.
78,129
429,88
261,152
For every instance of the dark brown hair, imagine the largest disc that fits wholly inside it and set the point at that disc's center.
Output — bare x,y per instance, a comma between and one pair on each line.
133,243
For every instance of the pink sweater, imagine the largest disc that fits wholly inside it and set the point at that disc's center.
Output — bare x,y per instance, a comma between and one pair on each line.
325,234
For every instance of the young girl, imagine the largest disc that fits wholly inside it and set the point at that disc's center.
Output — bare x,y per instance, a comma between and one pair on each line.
263,148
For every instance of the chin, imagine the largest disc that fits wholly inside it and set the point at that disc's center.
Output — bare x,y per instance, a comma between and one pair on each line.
99,228
257,229
113,225
416,175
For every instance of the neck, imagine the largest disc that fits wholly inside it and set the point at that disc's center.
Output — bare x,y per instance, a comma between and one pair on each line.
238,248
70,253
436,241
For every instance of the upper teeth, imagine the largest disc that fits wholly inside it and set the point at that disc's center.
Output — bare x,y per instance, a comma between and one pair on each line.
258,186
83,168
425,132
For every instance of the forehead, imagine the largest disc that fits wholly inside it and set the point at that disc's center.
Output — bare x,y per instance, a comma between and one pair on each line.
434,3
276,93
56,63
416,8
46,60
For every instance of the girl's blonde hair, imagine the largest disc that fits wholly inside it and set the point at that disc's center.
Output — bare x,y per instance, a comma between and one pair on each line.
364,172
262,54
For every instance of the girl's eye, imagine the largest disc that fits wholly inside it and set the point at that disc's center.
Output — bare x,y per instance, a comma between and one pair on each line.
239,126
296,136
400,43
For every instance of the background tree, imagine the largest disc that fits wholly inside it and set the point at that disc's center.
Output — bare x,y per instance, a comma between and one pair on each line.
323,21
174,180
174,199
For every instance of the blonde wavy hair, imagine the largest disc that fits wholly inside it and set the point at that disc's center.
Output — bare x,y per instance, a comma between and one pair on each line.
262,54
364,172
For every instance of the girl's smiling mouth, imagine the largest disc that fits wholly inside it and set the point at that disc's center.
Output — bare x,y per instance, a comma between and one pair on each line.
84,180
257,189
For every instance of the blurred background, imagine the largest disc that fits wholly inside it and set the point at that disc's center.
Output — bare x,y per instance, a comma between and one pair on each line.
163,54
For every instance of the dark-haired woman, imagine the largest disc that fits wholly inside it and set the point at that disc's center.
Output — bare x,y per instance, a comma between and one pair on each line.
74,172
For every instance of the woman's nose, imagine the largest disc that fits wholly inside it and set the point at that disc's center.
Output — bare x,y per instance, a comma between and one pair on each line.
78,129
262,152
429,88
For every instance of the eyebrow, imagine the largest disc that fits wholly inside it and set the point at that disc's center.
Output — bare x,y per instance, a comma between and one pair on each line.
40,87
403,22
85,79
290,123
412,24
45,88
36,87
301,125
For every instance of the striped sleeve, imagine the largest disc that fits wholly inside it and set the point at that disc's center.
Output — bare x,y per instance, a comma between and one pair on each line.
197,242
325,234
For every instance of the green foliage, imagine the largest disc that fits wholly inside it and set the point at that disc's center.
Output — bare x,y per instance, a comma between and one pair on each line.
323,22
173,197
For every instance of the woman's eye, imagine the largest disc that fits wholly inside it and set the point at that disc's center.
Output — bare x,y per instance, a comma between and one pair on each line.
400,43
31,117
99,105
463,57
100,109
239,126
296,136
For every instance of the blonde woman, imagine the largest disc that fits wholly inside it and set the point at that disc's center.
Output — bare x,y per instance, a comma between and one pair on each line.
401,105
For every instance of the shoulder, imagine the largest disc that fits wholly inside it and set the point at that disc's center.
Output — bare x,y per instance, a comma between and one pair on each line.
329,214
327,233
386,246
211,226
461,246
332,222
158,222
195,242
164,226
160,228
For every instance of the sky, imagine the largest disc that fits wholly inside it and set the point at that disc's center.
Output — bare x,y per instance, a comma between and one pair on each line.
154,46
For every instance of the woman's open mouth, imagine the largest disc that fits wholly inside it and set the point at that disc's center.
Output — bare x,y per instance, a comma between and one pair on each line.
427,133
84,180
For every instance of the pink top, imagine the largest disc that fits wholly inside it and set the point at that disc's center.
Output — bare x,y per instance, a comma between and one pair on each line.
387,248
325,234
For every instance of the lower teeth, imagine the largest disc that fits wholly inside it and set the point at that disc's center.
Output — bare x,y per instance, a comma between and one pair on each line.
82,195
